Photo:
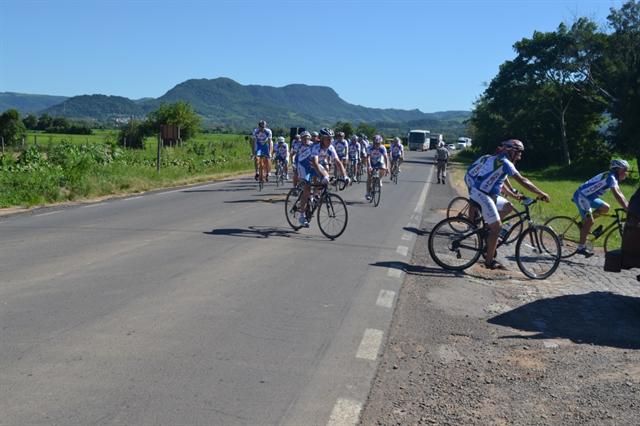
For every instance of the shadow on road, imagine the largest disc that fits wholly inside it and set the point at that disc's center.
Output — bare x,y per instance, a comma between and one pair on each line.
597,318
419,162
417,269
257,200
234,189
416,230
254,232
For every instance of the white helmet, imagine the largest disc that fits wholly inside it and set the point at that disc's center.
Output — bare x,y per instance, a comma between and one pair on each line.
619,164
280,139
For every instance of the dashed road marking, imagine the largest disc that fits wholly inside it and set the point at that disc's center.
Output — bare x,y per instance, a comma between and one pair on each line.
403,250
370,344
345,412
406,236
93,205
385,298
423,195
48,213
394,272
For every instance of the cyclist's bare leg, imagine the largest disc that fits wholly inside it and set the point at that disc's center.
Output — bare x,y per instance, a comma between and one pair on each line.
587,223
492,241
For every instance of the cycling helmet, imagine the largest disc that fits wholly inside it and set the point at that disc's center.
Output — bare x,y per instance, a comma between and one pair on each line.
513,145
326,132
280,139
305,134
619,164
354,137
340,134
377,139
262,123
398,140
314,134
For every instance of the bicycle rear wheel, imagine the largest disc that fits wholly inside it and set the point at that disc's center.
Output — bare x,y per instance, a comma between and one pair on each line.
568,233
613,239
538,252
332,216
377,191
291,208
455,243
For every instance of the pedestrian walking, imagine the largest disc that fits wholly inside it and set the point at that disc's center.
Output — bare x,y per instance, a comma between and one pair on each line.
442,158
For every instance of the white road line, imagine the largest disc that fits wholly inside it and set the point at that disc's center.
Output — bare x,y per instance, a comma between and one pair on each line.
132,198
370,344
394,272
403,250
412,225
93,205
406,236
48,213
345,412
385,298
423,195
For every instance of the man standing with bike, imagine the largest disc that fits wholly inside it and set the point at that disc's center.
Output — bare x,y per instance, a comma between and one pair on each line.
590,206
486,188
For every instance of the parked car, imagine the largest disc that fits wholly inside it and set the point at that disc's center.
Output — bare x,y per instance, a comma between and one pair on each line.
451,146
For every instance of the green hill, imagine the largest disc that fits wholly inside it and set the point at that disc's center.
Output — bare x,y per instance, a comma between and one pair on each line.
28,103
96,107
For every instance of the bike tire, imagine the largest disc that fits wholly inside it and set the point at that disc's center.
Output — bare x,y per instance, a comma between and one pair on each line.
377,192
291,204
332,216
568,232
450,242
514,233
613,239
538,252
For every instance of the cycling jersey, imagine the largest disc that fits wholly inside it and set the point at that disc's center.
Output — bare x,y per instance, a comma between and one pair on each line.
341,148
304,160
282,151
354,150
262,137
377,156
364,148
598,185
493,173
472,171
325,155
397,151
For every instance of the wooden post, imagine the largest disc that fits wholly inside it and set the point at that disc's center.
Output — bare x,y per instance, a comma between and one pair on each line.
35,139
2,137
125,142
158,156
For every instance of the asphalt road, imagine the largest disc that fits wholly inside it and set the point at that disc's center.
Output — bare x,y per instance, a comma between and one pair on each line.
199,306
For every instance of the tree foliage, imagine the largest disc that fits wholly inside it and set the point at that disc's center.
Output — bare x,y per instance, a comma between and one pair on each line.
12,129
178,114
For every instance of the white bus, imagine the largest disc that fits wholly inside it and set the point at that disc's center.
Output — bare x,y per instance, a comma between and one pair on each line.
418,140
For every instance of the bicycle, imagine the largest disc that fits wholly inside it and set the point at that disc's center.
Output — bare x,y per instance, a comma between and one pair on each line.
568,230
332,210
460,207
338,182
352,169
376,187
280,174
395,171
455,243
260,175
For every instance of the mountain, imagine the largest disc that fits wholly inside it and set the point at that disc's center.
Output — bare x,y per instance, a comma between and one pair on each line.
28,103
224,102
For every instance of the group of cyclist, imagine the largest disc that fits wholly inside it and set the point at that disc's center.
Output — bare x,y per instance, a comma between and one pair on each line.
487,180
313,154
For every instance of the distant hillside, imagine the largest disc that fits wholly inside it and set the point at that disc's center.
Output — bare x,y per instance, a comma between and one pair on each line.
224,102
28,103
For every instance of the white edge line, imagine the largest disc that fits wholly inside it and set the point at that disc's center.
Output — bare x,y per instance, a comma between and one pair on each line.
48,213
370,344
423,195
394,272
93,205
385,298
403,250
345,412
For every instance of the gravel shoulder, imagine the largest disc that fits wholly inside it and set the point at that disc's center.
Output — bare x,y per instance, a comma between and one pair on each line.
485,347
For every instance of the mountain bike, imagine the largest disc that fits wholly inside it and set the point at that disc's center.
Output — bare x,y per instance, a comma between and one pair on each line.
376,187
461,207
332,210
456,243
395,171
568,230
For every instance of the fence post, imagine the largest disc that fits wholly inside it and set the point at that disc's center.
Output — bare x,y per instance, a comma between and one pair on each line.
2,137
158,156
125,142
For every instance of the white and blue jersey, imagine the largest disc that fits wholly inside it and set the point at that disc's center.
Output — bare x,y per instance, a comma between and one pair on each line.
342,148
327,155
364,148
492,174
397,151
587,196
473,170
262,139
282,151
376,156
354,150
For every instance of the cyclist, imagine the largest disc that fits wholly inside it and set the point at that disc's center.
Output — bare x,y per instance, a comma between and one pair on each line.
397,152
590,205
442,158
354,154
378,160
486,188
342,149
282,156
364,149
309,168
262,148
295,147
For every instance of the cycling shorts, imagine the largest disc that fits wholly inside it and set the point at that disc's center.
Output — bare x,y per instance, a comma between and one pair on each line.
586,206
490,205
307,174
283,159
379,165
263,151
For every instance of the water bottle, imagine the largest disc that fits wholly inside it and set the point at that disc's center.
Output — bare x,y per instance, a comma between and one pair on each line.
505,230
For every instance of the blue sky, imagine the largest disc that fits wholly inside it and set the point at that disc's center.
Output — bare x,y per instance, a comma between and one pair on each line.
431,55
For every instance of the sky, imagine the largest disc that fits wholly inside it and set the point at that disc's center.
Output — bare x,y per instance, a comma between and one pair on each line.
432,55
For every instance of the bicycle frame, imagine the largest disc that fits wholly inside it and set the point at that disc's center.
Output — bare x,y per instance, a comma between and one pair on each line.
616,223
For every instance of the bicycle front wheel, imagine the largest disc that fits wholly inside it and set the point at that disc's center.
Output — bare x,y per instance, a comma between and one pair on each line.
455,243
613,239
568,233
377,192
332,216
538,252
291,208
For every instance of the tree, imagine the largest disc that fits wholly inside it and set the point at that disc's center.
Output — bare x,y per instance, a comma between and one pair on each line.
44,122
30,122
178,114
132,134
343,126
366,129
12,129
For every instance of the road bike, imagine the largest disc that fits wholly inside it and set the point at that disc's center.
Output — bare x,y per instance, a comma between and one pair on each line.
280,174
376,187
395,171
338,181
331,210
456,243
568,230
352,170
261,172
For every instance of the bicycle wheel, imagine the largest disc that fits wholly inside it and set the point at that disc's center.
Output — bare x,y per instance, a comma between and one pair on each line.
514,233
613,239
377,191
332,216
538,252
291,210
455,243
568,233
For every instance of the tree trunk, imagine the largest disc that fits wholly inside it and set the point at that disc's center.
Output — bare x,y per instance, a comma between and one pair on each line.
566,158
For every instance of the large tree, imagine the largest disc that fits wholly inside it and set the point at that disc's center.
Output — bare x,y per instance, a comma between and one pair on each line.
178,114
12,129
